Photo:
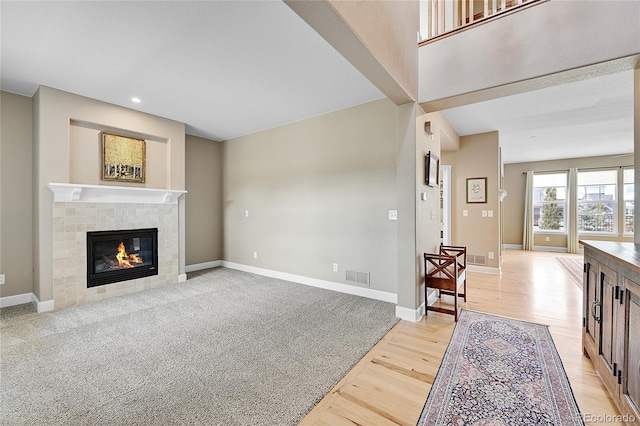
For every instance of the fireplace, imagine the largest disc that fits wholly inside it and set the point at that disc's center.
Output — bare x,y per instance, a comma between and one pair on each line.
114,256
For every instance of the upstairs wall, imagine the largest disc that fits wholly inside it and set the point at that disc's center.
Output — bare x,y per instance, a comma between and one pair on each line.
548,38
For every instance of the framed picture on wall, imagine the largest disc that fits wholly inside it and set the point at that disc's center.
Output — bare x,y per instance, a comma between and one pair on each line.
476,190
123,158
431,169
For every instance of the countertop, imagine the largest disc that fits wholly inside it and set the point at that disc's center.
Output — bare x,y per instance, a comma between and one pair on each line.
625,253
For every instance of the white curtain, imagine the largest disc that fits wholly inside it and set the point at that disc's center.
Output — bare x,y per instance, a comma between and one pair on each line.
572,215
527,236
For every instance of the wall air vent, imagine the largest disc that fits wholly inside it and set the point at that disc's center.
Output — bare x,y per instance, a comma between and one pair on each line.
362,278
476,259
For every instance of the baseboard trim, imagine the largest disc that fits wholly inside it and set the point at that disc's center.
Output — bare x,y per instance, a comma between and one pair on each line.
549,248
21,299
45,306
484,270
408,314
314,282
513,246
204,265
18,299
415,315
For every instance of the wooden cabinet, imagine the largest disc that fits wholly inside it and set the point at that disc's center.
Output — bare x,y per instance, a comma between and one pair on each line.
602,293
611,320
630,373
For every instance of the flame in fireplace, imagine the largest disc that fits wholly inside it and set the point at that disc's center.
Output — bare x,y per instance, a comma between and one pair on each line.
124,259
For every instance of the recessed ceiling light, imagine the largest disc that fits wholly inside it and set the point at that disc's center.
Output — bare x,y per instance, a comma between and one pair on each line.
136,100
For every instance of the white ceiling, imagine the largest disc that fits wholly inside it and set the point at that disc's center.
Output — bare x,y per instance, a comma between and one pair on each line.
224,68
586,118
231,68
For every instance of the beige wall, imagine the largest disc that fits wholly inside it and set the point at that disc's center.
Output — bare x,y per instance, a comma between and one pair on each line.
53,114
514,202
203,200
317,192
85,150
428,212
478,157
551,37
15,194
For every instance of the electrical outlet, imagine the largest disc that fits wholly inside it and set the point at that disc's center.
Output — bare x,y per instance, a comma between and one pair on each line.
335,267
490,255
547,239
1,279
393,214
255,254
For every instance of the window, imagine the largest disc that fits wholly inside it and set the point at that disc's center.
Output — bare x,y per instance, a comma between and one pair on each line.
597,205
549,202
629,204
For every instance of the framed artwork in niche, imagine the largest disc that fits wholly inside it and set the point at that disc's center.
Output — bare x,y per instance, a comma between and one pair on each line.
476,190
431,169
123,158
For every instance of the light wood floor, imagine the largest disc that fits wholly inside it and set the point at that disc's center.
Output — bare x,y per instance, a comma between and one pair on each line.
389,386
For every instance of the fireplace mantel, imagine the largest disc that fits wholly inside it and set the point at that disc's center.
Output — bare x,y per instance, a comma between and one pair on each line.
71,192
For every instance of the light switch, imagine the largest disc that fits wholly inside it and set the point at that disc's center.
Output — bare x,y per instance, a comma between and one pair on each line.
246,213
490,213
484,213
465,213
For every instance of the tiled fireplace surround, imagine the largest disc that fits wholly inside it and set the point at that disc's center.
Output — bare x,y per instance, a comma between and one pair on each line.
72,220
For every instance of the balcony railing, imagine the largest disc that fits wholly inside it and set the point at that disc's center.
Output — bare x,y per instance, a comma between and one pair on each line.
443,17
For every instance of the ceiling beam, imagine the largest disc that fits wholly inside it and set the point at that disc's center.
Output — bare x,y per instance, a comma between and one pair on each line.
323,17
556,79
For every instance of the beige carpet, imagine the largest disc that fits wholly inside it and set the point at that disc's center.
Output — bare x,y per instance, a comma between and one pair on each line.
573,266
224,348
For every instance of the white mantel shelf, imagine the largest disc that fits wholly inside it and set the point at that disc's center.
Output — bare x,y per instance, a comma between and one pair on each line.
71,192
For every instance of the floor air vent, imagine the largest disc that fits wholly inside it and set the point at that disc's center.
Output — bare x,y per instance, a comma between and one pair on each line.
358,277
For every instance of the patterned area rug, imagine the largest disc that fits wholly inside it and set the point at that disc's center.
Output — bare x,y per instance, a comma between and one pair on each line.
573,267
500,371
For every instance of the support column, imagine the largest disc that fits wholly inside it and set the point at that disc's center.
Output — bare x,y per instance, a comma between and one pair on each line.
636,148
408,267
